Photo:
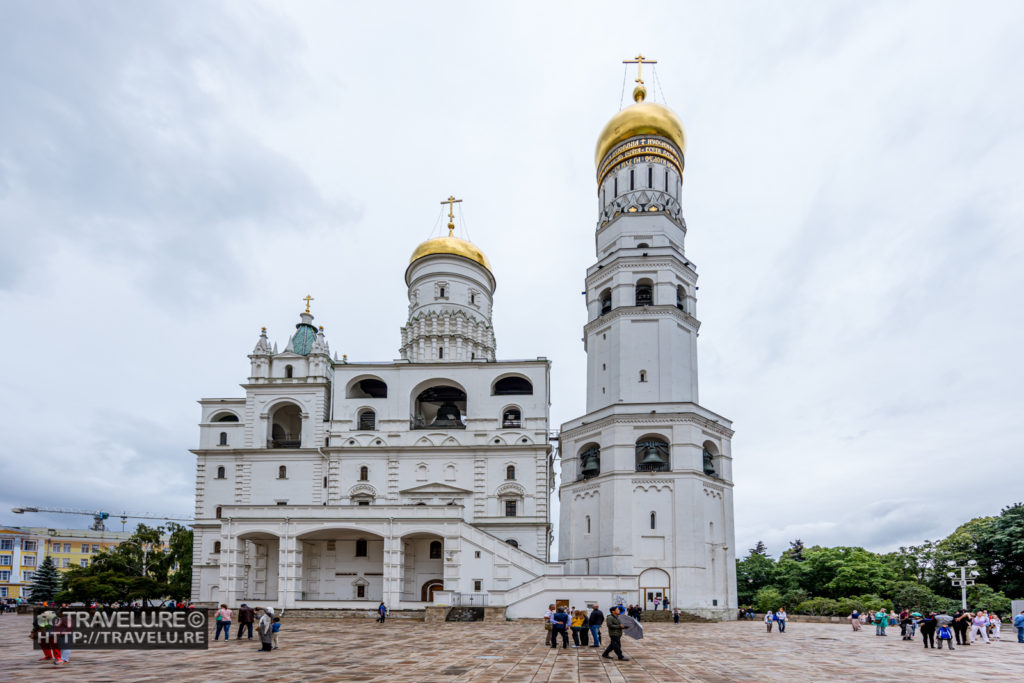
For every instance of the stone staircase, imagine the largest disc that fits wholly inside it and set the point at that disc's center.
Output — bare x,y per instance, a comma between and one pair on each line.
465,614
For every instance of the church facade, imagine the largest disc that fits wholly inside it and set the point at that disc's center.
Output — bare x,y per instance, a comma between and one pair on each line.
426,480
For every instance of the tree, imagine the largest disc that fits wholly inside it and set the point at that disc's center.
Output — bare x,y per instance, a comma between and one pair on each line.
759,549
753,573
46,582
795,551
140,568
1001,550
767,599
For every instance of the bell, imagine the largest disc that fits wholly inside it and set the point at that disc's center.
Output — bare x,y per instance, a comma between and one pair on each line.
448,415
652,456
590,464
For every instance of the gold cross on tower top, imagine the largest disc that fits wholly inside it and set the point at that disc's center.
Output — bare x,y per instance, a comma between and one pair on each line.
307,299
639,60
451,202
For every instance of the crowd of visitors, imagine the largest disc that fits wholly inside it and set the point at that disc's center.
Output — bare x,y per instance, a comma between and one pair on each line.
963,627
267,627
586,626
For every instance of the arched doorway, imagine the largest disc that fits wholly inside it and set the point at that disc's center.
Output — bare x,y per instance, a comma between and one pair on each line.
429,588
655,585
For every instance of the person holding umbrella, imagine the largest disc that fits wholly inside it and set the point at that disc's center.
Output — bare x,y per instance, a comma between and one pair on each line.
614,635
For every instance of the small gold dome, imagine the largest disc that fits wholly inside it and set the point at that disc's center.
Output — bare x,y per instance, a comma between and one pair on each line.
642,118
453,246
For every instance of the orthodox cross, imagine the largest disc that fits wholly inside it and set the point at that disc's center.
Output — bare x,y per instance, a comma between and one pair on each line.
640,60
451,202
307,299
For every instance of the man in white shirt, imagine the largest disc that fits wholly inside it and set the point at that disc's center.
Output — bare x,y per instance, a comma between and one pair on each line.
980,625
548,626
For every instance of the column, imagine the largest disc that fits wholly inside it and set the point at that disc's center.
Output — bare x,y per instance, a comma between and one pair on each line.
289,578
394,572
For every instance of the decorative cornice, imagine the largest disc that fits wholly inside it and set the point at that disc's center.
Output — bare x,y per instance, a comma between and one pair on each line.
642,311
648,419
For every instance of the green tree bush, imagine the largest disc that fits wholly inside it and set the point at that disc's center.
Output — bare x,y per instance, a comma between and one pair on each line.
46,582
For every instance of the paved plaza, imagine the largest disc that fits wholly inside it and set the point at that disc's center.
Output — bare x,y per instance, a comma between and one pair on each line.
314,650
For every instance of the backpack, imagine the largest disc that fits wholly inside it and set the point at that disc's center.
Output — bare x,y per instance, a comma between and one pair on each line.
944,633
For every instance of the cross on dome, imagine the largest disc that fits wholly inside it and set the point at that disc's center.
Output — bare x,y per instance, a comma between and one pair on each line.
451,202
307,299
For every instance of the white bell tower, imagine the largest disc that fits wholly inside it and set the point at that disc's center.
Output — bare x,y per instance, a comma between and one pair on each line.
647,472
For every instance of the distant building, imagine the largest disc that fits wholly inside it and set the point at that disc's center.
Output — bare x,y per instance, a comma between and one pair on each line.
23,549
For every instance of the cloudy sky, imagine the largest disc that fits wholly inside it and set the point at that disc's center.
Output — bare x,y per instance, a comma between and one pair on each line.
175,175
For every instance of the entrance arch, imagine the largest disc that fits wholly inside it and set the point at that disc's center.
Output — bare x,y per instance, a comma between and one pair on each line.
429,588
655,584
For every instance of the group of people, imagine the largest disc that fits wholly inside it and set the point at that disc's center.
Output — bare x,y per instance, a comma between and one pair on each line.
268,627
779,617
963,626
585,626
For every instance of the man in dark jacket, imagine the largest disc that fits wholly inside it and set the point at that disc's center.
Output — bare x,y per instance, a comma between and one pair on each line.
614,635
246,617
560,627
595,621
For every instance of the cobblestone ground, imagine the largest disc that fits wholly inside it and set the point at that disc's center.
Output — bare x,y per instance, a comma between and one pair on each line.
314,650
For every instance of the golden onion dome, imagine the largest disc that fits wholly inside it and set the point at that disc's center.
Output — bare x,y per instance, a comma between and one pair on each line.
453,246
642,118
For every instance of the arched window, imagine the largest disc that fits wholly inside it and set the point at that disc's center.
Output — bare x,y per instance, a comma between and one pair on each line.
588,524
472,298
287,371
606,301
681,298
709,459
643,245
367,420
511,507
217,515
220,472
226,417
223,439
286,427
442,292
644,293
510,472
216,547
508,386
370,387
364,473
590,461
643,375
435,550
282,472
361,547
440,352
654,521
512,542
512,418
652,455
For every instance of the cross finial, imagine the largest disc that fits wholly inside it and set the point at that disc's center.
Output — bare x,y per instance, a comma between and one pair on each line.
307,299
451,202
639,60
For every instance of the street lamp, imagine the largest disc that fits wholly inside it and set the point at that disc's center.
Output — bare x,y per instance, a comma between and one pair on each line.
965,579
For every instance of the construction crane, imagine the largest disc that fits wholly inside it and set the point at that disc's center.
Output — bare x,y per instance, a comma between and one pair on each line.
98,516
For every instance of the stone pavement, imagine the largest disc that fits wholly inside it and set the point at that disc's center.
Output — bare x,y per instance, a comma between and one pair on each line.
315,650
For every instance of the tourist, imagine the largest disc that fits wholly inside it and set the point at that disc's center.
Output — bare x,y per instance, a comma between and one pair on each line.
549,635
928,630
223,622
996,624
657,601
1018,623
961,624
585,629
597,618
780,617
42,633
664,604
275,629
560,627
675,615
246,615
903,621
62,631
769,619
382,613
614,636
944,627
266,629
980,625
881,619
855,620
578,619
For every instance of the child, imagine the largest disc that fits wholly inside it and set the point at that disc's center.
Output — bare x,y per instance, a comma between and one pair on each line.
276,627
769,617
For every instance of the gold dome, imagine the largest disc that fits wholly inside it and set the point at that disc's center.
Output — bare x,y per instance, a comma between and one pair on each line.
643,118
453,246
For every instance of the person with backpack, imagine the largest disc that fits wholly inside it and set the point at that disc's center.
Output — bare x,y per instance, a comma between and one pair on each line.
944,629
560,627
382,613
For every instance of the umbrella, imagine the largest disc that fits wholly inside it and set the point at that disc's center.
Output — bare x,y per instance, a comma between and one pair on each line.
915,614
631,627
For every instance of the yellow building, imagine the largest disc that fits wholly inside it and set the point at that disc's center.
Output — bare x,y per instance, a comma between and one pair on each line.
23,549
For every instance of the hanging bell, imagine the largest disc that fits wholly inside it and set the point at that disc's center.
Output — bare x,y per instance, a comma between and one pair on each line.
652,456
591,465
